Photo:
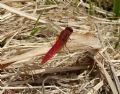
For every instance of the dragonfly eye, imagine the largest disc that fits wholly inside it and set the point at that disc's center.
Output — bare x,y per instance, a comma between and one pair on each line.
69,28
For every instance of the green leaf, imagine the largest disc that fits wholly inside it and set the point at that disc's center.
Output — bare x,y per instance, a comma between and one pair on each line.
36,28
34,31
116,8
91,9
117,44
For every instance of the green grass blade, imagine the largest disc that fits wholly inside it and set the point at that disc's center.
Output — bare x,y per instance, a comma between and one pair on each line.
116,8
35,29
91,9
117,44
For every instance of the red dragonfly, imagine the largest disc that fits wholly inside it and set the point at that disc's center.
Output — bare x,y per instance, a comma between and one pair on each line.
62,39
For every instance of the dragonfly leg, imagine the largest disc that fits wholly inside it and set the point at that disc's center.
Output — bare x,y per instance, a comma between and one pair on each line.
68,51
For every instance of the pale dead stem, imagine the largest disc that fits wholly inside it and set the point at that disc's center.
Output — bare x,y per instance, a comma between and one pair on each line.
82,3
7,84
54,70
84,85
116,84
109,79
41,9
33,87
21,13
29,87
96,88
103,70
7,43
5,17
39,51
4,1
107,59
43,87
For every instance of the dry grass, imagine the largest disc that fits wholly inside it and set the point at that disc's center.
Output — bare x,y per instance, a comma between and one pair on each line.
91,67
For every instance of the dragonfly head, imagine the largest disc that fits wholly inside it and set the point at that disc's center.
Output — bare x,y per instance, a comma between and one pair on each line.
69,29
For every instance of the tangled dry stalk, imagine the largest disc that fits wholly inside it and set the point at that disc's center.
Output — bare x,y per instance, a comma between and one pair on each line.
90,66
